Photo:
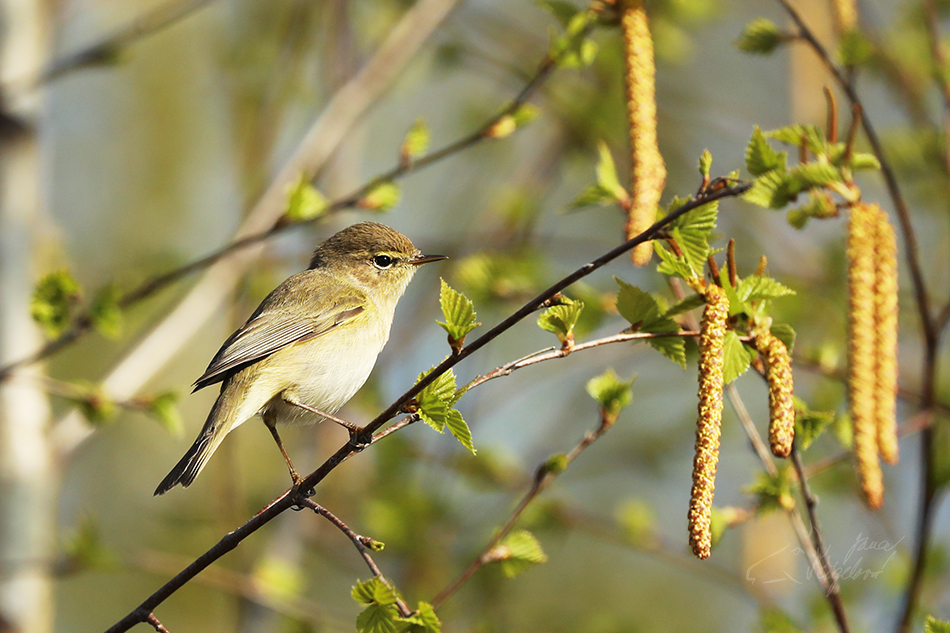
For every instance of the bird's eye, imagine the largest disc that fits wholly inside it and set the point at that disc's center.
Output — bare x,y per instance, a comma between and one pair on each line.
383,261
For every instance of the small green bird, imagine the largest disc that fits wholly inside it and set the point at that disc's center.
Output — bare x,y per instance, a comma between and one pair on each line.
310,345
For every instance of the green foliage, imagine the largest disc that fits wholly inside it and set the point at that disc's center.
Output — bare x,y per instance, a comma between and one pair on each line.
436,408
105,312
785,333
560,319
643,312
760,158
561,10
380,614
459,313
304,202
773,493
55,298
689,303
691,232
612,393
93,403
417,140
809,425
705,164
382,197
607,190
555,464
424,620
163,407
736,357
932,625
508,124
573,48
518,552
760,287
760,36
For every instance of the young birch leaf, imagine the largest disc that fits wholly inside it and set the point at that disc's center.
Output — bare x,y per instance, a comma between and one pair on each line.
416,142
771,190
612,393
383,197
809,425
705,164
459,313
670,264
813,175
798,135
689,303
785,333
607,173
635,305
105,312
736,357
304,202
459,429
54,300
759,36
933,625
561,10
759,287
593,194
434,400
561,319
861,161
673,347
424,620
517,552
759,155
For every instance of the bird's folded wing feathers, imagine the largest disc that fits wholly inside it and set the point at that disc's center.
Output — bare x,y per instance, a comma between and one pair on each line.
265,333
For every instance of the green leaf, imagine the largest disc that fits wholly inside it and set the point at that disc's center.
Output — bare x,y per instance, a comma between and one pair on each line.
424,620
459,313
759,36
785,333
105,312
54,301
773,492
560,319
759,155
611,392
689,303
304,202
573,49
525,114
736,357
812,175
164,408
434,400
772,190
705,164
558,462
636,306
932,625
417,140
377,618
459,429
809,425
759,287
801,135
373,591
517,552
593,194
382,197
562,11
861,161
607,173
671,264
673,347
93,403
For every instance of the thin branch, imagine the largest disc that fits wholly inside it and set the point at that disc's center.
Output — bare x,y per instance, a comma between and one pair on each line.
360,542
109,48
811,505
286,500
542,479
158,626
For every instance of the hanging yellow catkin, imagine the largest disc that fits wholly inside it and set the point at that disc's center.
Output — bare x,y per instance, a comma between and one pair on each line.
778,372
708,427
647,171
862,370
885,325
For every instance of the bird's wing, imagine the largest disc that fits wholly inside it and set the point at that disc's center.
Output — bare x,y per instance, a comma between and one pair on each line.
269,330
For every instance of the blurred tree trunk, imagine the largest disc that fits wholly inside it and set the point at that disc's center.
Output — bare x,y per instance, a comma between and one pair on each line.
27,479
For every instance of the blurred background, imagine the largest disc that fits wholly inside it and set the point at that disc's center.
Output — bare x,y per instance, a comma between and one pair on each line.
158,151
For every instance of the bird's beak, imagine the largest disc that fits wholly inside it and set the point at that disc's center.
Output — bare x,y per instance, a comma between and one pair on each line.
421,259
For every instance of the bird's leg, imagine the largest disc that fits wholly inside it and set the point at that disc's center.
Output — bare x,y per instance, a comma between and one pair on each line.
270,420
358,437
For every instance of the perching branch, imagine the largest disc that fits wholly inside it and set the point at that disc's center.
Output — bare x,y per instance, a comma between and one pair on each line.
287,499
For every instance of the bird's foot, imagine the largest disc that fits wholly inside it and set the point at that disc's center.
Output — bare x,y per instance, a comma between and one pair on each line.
360,438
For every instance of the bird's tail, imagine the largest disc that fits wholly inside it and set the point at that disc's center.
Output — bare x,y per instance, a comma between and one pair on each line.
188,467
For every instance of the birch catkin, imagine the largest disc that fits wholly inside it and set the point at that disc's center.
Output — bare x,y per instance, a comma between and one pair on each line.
647,171
885,325
778,371
862,364
708,428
